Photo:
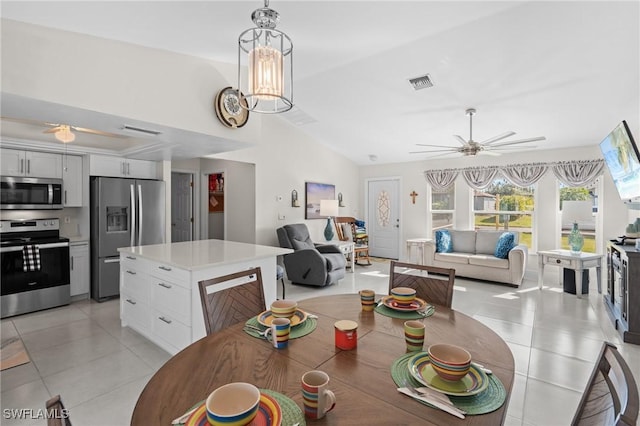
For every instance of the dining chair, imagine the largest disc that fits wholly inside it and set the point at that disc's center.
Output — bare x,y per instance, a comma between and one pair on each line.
57,415
611,395
346,231
432,284
231,305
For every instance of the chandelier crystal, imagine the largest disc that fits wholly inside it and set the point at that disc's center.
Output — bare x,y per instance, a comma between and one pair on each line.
265,64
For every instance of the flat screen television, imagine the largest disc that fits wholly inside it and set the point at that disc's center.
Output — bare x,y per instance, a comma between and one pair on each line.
622,158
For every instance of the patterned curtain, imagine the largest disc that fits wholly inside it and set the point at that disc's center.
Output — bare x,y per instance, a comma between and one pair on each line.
578,173
479,177
524,175
440,180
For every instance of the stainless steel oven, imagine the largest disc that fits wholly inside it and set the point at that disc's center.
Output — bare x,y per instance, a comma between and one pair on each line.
25,193
30,286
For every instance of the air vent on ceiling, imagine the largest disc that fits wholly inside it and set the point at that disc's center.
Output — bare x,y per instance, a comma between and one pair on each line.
299,117
141,130
422,82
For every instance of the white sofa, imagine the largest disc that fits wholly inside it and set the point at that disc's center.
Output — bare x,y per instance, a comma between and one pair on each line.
473,257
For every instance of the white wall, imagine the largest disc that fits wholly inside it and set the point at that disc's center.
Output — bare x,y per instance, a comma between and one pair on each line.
285,159
414,220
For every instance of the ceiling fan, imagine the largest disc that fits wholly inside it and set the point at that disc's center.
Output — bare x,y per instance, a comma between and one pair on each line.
63,132
471,147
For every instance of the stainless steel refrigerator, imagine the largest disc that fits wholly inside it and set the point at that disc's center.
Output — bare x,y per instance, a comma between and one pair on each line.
124,213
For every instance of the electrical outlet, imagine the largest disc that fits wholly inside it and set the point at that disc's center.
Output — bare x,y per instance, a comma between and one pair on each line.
67,219
280,216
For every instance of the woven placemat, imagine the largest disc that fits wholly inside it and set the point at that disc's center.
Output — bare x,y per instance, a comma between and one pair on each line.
484,402
306,327
388,312
291,413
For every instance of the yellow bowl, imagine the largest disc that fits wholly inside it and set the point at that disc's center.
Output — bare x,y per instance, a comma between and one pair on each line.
403,295
449,361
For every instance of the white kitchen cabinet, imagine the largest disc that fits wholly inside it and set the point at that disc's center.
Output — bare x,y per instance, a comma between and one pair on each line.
16,162
79,268
72,181
103,165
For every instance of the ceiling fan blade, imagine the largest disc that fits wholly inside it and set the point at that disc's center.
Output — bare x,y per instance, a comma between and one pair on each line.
487,152
443,154
497,138
52,130
539,138
460,139
434,150
509,148
437,146
98,132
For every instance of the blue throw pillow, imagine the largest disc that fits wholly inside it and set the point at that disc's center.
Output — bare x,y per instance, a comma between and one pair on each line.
505,243
444,244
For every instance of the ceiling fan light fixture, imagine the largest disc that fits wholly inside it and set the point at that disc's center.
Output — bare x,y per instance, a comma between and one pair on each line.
64,134
265,64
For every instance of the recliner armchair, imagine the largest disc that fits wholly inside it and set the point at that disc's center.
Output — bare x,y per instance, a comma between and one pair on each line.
310,264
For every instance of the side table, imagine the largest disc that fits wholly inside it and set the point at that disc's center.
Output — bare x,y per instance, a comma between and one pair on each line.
578,262
419,244
347,248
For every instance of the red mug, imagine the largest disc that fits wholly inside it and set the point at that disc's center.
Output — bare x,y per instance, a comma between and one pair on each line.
346,334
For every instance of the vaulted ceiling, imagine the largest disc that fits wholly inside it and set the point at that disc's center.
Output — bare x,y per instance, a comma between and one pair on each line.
568,71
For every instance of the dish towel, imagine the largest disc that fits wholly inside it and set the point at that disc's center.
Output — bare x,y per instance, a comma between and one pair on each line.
31,258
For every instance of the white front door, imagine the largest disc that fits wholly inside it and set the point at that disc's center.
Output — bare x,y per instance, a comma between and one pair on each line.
383,223
181,207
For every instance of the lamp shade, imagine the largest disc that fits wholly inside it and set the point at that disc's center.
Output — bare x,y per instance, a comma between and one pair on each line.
329,208
64,134
265,64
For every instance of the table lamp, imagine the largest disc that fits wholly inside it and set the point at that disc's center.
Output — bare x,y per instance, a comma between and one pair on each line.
328,208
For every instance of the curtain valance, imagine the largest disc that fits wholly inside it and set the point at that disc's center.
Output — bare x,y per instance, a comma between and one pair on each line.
570,173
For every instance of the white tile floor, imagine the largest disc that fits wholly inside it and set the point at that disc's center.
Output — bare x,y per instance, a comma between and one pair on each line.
81,352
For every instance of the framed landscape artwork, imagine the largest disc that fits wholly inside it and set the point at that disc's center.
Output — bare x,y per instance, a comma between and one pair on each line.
314,192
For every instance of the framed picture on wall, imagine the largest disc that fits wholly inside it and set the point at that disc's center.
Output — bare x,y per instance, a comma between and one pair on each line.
314,192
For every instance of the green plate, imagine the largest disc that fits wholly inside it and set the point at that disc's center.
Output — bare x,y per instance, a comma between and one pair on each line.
474,382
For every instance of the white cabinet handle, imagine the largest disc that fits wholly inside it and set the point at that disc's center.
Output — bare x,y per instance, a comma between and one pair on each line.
168,321
164,285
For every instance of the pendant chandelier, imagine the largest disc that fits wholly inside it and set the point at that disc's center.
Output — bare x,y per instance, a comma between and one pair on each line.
265,64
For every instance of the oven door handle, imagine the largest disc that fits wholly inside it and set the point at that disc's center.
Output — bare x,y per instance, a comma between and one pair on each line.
40,246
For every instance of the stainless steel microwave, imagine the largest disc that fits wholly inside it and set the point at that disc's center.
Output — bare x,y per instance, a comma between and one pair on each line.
27,193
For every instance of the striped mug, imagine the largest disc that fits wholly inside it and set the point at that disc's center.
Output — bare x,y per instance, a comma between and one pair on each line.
317,399
278,333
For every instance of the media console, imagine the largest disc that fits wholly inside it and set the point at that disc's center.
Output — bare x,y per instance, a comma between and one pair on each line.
622,294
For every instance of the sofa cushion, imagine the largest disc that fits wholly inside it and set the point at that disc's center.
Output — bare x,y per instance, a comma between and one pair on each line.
452,257
504,245
463,241
488,260
443,241
486,241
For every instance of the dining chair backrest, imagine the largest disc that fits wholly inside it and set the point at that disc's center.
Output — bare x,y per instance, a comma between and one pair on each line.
232,305
432,284
57,415
611,395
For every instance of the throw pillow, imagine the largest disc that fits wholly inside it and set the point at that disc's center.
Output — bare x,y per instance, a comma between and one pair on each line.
443,241
504,245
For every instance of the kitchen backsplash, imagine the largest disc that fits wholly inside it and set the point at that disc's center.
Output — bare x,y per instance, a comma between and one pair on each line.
73,224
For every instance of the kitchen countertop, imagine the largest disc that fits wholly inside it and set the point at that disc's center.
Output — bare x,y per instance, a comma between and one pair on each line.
201,254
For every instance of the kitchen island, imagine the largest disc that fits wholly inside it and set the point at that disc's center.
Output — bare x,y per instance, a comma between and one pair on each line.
159,295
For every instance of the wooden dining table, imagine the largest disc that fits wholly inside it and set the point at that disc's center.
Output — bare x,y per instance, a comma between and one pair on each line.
360,378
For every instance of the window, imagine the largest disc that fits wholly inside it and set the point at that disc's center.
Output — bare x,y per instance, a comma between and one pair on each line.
442,208
505,206
578,205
